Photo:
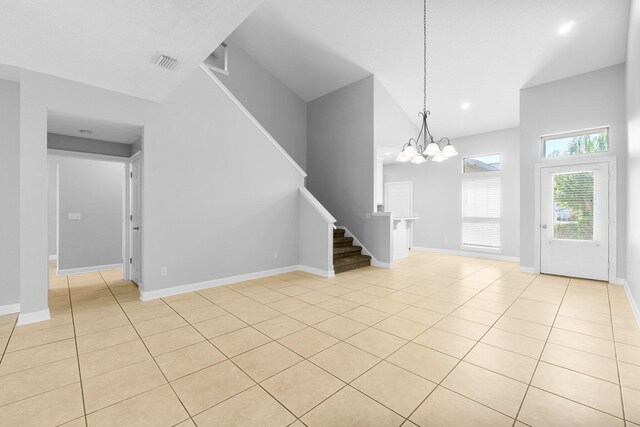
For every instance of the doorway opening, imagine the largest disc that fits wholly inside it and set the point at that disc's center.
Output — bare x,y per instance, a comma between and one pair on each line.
94,227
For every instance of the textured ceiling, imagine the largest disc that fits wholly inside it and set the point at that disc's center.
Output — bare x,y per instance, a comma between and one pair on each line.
479,51
63,124
111,44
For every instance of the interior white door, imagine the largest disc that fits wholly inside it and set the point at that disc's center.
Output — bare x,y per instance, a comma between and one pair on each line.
574,221
399,198
136,234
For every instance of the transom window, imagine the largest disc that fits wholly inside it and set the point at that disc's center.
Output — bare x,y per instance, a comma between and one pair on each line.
574,143
488,163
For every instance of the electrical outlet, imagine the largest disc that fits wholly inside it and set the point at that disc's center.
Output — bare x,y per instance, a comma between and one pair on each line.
368,215
275,255
446,240
163,271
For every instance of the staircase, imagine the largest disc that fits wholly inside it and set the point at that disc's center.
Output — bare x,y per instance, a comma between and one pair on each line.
346,256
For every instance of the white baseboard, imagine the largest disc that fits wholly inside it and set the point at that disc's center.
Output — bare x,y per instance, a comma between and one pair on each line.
632,301
374,261
317,271
485,255
53,257
88,269
36,316
524,269
9,309
176,290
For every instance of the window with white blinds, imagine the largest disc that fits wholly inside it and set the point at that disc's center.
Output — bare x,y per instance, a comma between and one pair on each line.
481,212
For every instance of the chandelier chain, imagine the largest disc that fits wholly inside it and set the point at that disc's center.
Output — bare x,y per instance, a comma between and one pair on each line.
424,16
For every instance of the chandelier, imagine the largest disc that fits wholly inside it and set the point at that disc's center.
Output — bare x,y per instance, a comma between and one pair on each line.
416,151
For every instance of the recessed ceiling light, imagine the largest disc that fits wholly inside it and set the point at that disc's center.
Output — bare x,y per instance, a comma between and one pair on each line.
85,132
465,105
387,153
566,27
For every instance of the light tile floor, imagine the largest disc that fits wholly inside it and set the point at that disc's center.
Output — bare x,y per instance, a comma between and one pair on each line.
440,340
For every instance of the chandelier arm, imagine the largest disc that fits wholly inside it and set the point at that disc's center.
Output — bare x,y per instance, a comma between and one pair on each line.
409,143
426,126
444,138
421,131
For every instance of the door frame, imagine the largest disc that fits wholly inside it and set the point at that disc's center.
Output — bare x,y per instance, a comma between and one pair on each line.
129,242
126,240
613,206
386,199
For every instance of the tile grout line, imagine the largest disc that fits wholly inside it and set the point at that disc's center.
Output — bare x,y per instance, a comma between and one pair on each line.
230,360
150,355
6,346
75,342
439,384
367,326
615,352
541,354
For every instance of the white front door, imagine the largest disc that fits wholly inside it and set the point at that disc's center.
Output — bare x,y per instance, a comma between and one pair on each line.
136,234
574,221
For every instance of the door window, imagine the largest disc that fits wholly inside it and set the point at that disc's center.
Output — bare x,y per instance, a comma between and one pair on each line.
573,205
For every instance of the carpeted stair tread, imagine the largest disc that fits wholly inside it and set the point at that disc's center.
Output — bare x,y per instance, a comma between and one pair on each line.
346,256
351,260
347,249
341,242
351,263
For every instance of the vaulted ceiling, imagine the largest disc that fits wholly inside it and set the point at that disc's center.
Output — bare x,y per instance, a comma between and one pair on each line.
479,51
111,43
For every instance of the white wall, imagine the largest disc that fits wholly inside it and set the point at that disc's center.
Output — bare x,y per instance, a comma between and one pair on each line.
278,109
633,171
9,193
315,238
94,189
39,92
85,145
391,124
341,159
52,206
584,101
391,127
208,213
226,216
437,191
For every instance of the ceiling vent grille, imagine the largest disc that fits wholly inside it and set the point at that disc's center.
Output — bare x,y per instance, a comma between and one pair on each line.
165,61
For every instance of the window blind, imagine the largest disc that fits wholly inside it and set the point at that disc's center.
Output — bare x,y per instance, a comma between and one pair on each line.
481,212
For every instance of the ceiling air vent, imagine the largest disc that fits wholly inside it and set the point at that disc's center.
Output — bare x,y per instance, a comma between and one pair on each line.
165,61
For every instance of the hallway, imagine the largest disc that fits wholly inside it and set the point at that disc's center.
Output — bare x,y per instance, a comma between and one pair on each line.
439,340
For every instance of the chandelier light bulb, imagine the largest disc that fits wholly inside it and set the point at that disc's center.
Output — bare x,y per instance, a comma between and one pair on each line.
418,158
432,149
449,151
439,157
402,157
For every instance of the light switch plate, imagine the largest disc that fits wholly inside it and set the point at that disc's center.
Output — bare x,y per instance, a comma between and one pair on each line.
75,216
